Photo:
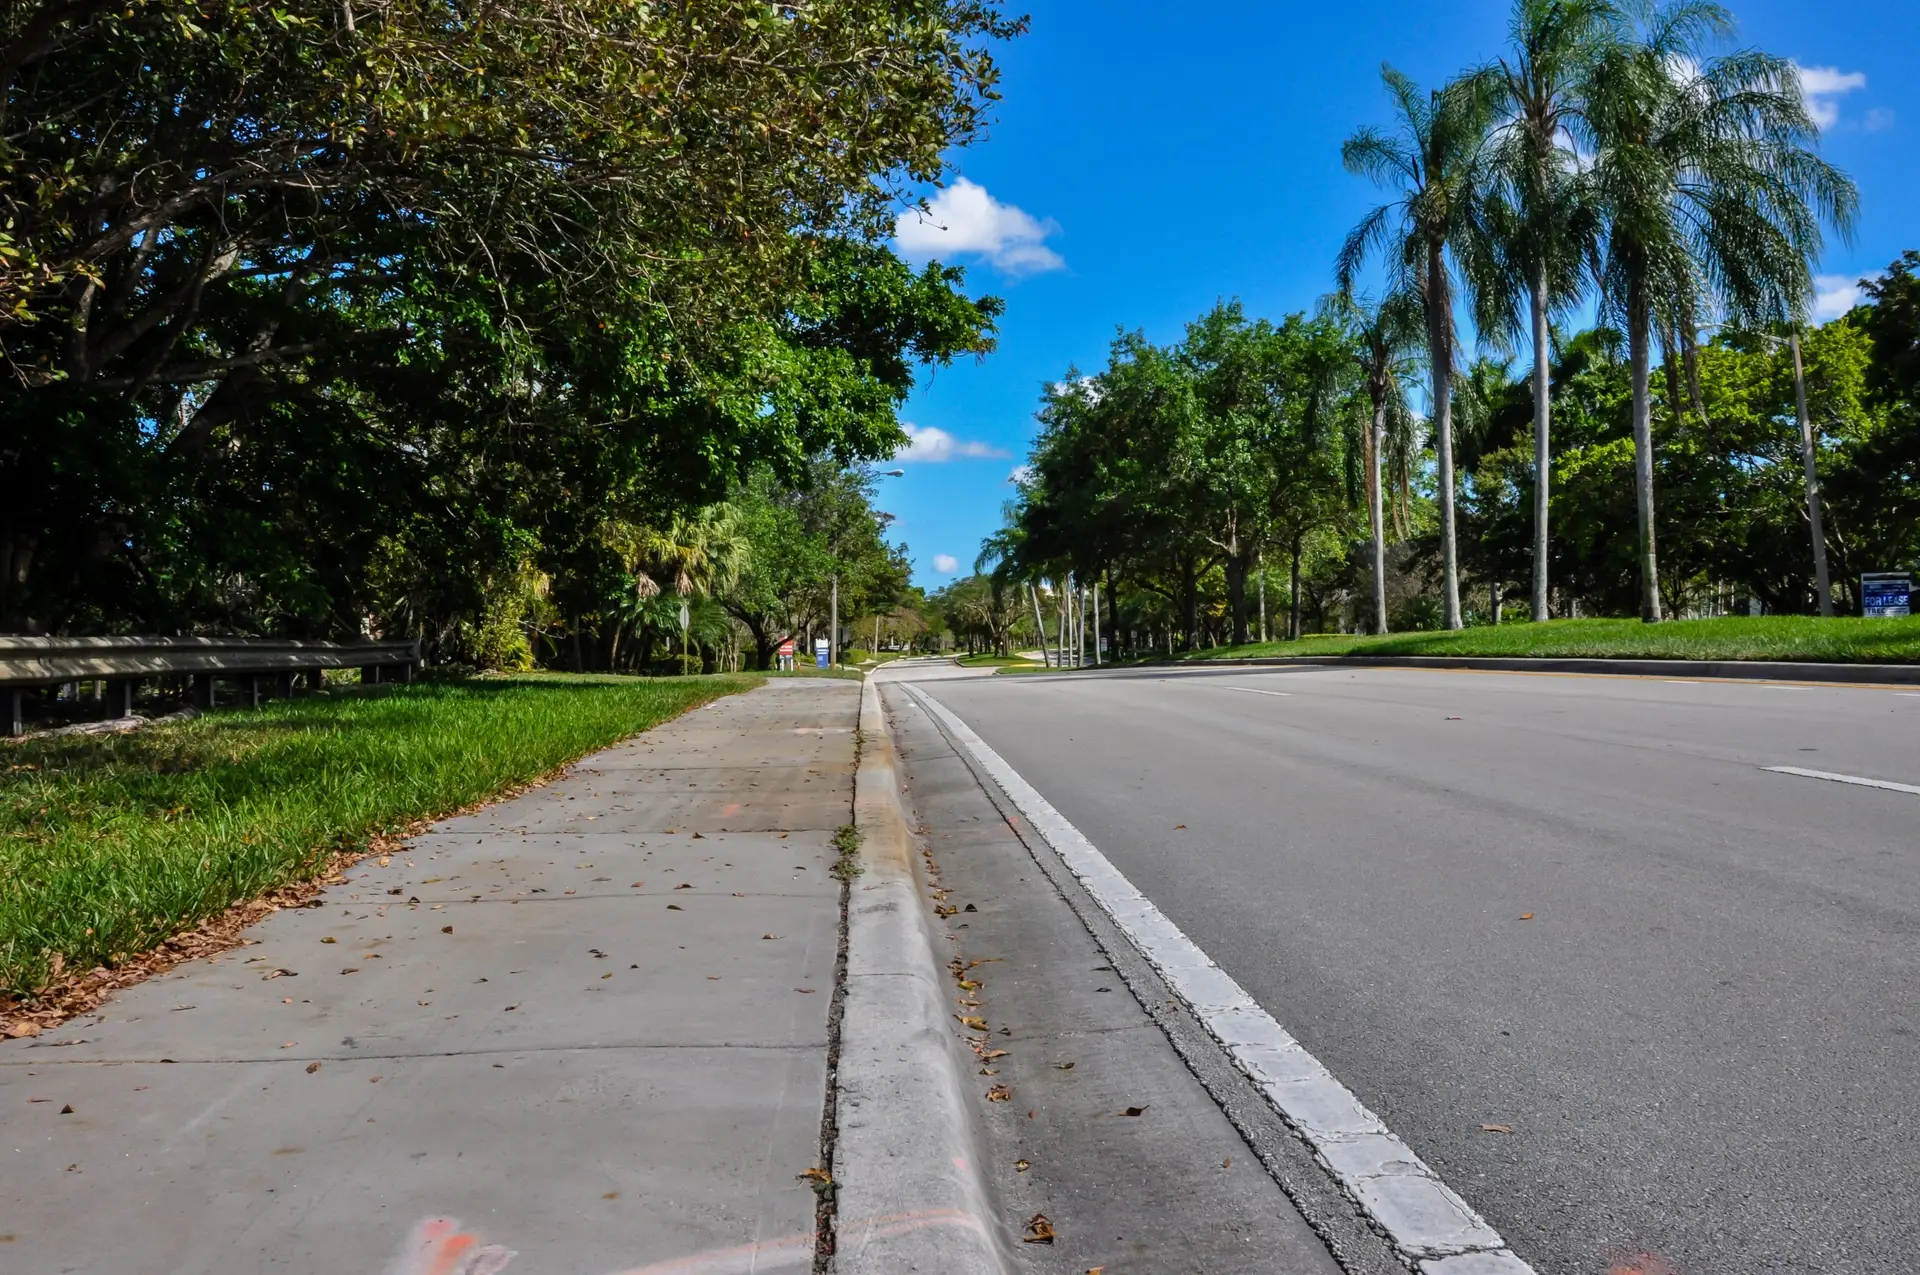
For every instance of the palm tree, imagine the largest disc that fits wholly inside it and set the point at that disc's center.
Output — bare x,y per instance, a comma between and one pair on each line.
1430,229
1705,173
1383,335
1544,230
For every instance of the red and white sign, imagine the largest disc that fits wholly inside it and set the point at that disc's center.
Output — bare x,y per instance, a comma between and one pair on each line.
786,647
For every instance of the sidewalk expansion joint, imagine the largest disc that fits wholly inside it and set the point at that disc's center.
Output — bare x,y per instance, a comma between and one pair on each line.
369,1056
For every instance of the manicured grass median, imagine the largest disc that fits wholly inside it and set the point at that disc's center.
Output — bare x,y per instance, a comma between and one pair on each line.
1772,637
111,844
997,661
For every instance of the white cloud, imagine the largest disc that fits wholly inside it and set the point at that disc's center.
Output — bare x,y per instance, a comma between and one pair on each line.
930,445
1878,120
1822,85
1020,474
1834,295
946,564
964,218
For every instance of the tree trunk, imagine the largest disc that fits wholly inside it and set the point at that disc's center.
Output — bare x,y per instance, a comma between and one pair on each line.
1639,355
1376,513
1039,625
1439,307
1542,441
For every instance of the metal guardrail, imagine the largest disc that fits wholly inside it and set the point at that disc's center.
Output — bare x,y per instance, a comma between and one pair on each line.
122,663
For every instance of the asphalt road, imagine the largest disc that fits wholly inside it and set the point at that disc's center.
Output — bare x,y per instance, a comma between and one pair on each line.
1706,1039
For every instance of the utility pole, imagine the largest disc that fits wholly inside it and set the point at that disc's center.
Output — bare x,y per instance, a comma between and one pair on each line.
1096,624
833,624
1823,586
1259,564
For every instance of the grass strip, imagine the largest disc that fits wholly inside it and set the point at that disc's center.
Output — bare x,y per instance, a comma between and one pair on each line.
109,845
997,661
1841,640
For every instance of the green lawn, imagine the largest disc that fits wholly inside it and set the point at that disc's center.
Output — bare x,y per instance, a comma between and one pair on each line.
997,661
1773,637
110,844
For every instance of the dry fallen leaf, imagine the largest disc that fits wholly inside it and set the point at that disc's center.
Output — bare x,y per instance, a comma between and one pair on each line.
992,1054
1133,1111
769,936
1178,827
351,969
1065,1066
684,885
999,1093
675,907
944,910
1526,916
804,991
20,1031
446,929
312,1067
278,974
816,1175
67,1110
329,939
978,1024
1021,1166
1039,1230
1496,1128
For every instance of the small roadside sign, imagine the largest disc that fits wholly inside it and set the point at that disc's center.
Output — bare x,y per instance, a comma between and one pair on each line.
820,650
786,647
1886,594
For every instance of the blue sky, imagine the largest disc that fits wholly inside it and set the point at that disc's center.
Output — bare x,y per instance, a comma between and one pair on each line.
1149,159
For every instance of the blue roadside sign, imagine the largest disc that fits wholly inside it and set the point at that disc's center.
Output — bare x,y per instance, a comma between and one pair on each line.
1887,594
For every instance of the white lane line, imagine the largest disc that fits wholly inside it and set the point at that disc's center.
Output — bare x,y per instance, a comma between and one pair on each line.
1861,780
1675,681
1251,690
1434,1229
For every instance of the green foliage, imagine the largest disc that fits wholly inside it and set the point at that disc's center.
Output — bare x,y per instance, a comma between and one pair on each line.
323,316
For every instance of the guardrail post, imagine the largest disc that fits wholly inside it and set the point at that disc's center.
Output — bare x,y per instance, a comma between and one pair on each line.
285,689
406,672
200,691
120,696
370,675
316,679
16,711
253,690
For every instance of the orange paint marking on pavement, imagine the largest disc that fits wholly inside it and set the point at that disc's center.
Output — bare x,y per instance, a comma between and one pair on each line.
439,1247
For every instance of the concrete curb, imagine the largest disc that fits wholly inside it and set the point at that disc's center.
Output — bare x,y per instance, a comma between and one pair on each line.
1747,670
909,1193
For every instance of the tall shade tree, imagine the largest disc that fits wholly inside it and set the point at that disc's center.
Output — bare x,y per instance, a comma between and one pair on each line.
1543,229
1706,174
1384,336
1433,160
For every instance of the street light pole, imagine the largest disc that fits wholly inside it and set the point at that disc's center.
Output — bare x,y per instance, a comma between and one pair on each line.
833,623
1823,585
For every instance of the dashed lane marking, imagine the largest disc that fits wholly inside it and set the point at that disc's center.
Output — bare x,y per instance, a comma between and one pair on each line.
1860,780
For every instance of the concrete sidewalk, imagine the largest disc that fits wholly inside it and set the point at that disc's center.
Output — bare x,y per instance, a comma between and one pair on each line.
589,1023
